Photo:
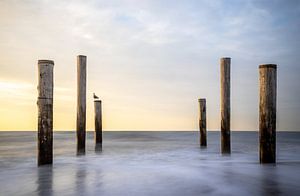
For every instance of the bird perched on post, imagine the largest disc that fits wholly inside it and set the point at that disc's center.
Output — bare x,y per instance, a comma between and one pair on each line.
95,96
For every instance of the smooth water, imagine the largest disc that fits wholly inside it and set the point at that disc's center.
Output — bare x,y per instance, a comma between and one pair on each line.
149,163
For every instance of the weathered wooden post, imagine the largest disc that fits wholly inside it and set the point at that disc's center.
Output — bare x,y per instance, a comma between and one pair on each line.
202,122
81,103
267,113
98,122
225,105
45,112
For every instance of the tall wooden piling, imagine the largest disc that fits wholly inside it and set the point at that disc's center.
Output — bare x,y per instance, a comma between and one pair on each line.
225,105
98,122
202,122
81,104
45,112
267,113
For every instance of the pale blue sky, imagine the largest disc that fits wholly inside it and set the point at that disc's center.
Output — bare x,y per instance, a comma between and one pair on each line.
150,61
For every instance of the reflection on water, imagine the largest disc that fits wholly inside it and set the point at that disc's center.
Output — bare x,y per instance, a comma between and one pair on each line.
44,180
80,180
143,163
269,180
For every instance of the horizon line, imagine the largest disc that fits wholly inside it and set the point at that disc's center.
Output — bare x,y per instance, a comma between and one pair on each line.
127,130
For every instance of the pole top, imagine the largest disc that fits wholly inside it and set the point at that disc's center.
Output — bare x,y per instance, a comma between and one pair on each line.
97,101
225,58
268,66
81,56
201,99
45,62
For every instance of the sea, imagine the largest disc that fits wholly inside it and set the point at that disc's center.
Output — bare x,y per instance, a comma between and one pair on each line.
150,163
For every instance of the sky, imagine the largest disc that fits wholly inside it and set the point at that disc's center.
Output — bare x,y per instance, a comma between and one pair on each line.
149,60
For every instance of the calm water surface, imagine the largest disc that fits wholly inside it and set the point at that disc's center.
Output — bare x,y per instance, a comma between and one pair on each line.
149,163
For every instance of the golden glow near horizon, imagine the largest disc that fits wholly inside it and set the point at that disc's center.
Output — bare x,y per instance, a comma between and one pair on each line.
147,64
19,111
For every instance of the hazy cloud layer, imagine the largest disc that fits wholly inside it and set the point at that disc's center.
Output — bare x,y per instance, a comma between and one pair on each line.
150,60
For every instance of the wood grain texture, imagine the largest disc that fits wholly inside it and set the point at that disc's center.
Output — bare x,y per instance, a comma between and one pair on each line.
225,105
202,122
267,113
45,112
81,104
98,122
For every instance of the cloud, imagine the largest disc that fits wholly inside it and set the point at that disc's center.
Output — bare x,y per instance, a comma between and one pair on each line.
142,51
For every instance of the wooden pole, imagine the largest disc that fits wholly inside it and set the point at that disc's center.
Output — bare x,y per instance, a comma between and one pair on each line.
267,113
98,122
45,112
81,103
225,105
202,122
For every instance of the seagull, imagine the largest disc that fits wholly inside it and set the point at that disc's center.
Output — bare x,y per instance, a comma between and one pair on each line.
95,96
